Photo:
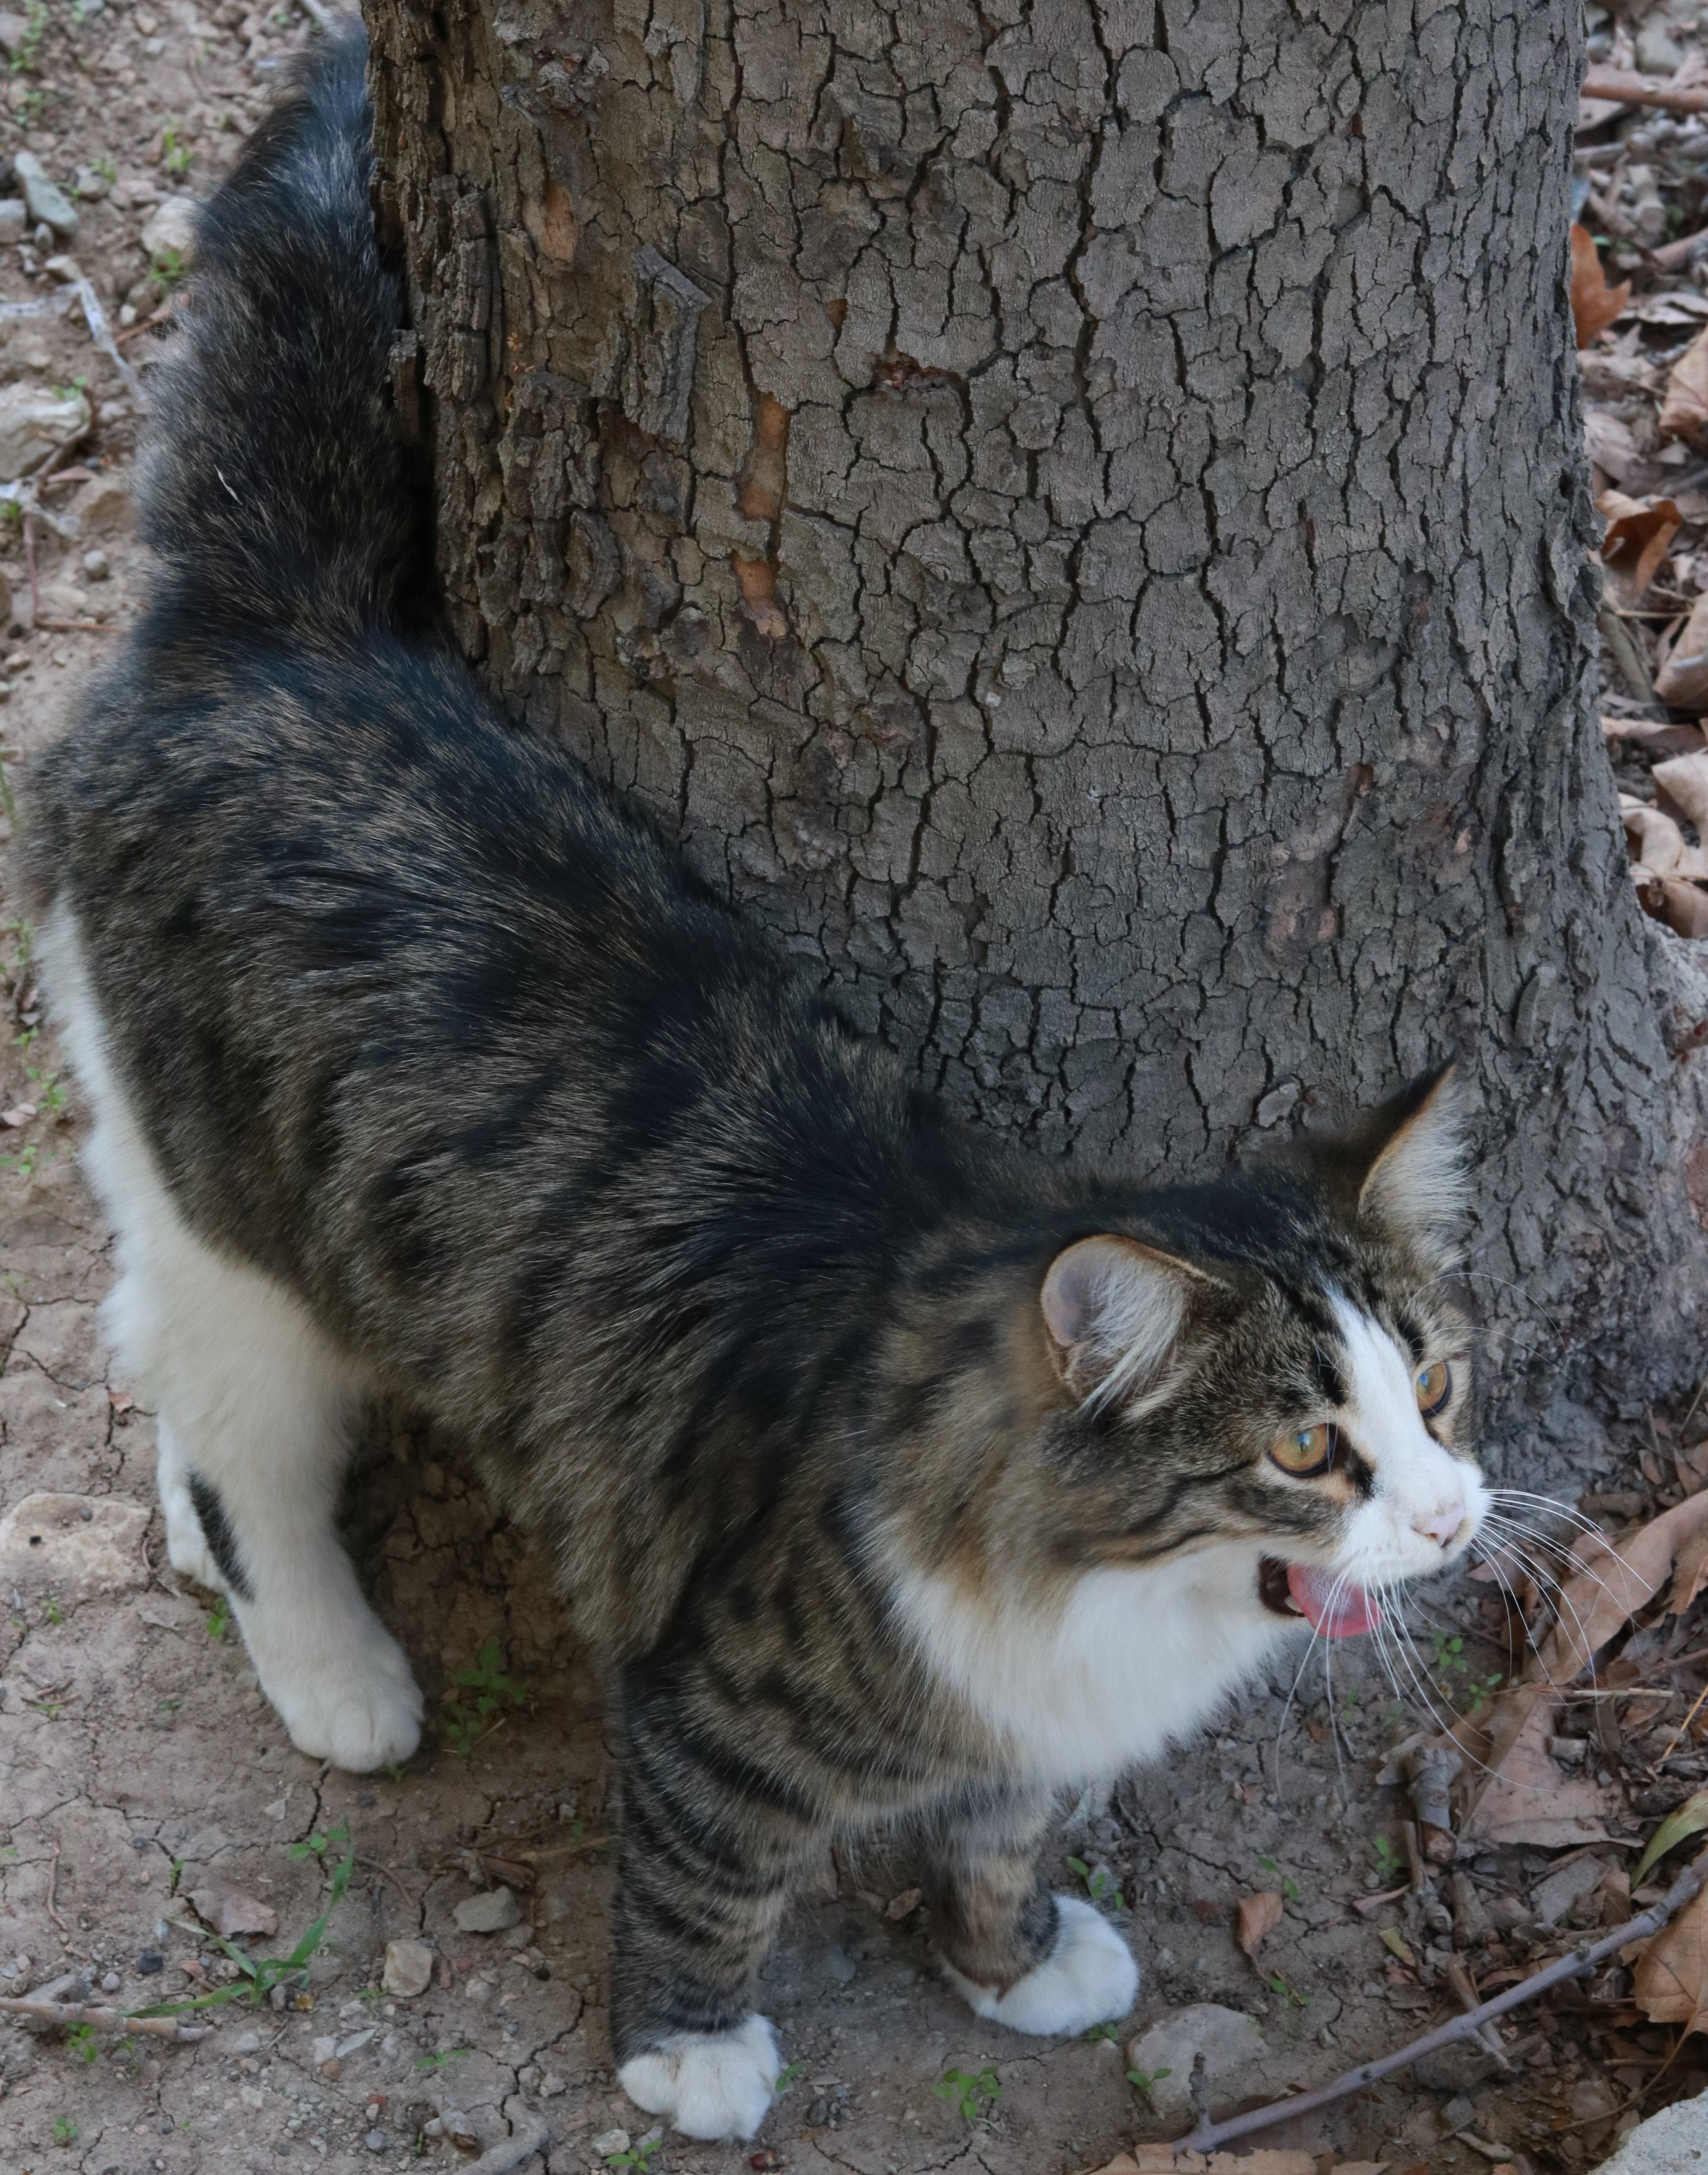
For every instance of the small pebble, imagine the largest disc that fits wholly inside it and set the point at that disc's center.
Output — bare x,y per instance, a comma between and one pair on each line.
111,1983
126,317
376,2140
610,2140
150,1962
94,565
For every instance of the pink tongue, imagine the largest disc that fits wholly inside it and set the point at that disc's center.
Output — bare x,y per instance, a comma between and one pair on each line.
1353,1610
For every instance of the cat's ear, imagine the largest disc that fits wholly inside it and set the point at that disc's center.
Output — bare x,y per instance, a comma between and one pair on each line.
1416,1183
1113,1311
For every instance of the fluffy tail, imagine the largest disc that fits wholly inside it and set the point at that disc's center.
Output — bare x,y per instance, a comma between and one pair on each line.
276,486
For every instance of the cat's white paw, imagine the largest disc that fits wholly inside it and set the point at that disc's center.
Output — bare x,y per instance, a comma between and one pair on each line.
1090,1979
361,1709
713,2084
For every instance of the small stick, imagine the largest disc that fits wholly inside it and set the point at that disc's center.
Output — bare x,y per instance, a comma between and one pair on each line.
1621,88
143,324
1209,2137
103,2020
77,626
29,560
52,1883
1673,1744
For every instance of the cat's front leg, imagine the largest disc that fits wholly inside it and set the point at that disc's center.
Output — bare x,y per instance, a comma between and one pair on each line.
711,1839
1015,1952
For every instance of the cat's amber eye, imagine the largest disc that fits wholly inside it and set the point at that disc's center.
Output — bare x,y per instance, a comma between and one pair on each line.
1307,1451
1434,1385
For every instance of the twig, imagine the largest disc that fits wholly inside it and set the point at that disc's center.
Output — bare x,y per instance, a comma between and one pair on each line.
143,324
101,333
52,1883
30,562
530,2135
1673,1746
78,627
1621,88
103,2020
1209,2137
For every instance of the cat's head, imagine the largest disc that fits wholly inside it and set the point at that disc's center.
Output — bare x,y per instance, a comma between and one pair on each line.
1276,1360
1260,1382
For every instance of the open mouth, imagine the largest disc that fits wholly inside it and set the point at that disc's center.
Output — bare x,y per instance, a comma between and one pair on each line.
1330,1605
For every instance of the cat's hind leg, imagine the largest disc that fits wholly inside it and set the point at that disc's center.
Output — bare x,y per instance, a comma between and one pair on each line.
256,1405
1013,1951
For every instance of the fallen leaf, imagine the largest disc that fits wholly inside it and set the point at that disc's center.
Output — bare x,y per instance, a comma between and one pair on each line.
1684,411
1594,304
1613,448
229,1912
1671,1983
1526,1799
1256,1918
20,1114
1395,1943
1683,681
1652,838
1654,740
1639,533
1689,1574
1683,907
1687,1820
1613,1583
1684,778
903,1906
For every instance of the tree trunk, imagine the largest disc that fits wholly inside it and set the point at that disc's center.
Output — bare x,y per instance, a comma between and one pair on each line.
1075,515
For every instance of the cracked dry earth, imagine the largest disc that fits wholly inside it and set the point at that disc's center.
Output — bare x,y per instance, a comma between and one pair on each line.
137,1757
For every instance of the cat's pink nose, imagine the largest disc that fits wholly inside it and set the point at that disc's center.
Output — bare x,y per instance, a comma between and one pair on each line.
1440,1525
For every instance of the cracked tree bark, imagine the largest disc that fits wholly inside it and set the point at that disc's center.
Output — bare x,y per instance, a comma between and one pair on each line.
1074,515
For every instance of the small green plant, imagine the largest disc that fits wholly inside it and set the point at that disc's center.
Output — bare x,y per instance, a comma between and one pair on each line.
26,57
52,1610
106,168
1099,1884
1103,2031
442,2057
219,1616
637,2155
167,269
466,1725
257,1975
318,1845
51,1708
786,2077
64,2130
1447,1654
1388,1859
82,2042
177,1875
972,2094
1288,1885
1479,1693
1146,2081
1278,1984
175,155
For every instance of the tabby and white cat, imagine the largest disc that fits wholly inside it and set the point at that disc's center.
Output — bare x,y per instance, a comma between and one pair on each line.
889,1472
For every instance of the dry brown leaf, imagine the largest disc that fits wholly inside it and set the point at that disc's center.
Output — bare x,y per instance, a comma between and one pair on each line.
1613,1583
1639,533
1683,907
1689,1574
1671,1984
1650,895
1684,411
1527,1799
1683,681
1612,446
1256,1919
229,1912
1684,778
1651,838
1594,304
1654,740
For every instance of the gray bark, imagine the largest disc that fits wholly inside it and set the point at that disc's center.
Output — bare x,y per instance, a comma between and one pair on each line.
1075,516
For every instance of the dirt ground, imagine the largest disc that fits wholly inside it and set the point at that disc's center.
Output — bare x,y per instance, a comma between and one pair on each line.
137,1759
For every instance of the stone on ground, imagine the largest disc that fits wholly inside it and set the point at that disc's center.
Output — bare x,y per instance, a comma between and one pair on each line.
408,1968
1674,2142
73,1547
492,1911
47,202
1233,2050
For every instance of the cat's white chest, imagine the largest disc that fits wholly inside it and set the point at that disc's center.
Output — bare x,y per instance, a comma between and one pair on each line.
1135,1660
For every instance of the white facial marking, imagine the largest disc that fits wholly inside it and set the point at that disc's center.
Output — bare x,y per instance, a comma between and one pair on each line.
1428,1503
